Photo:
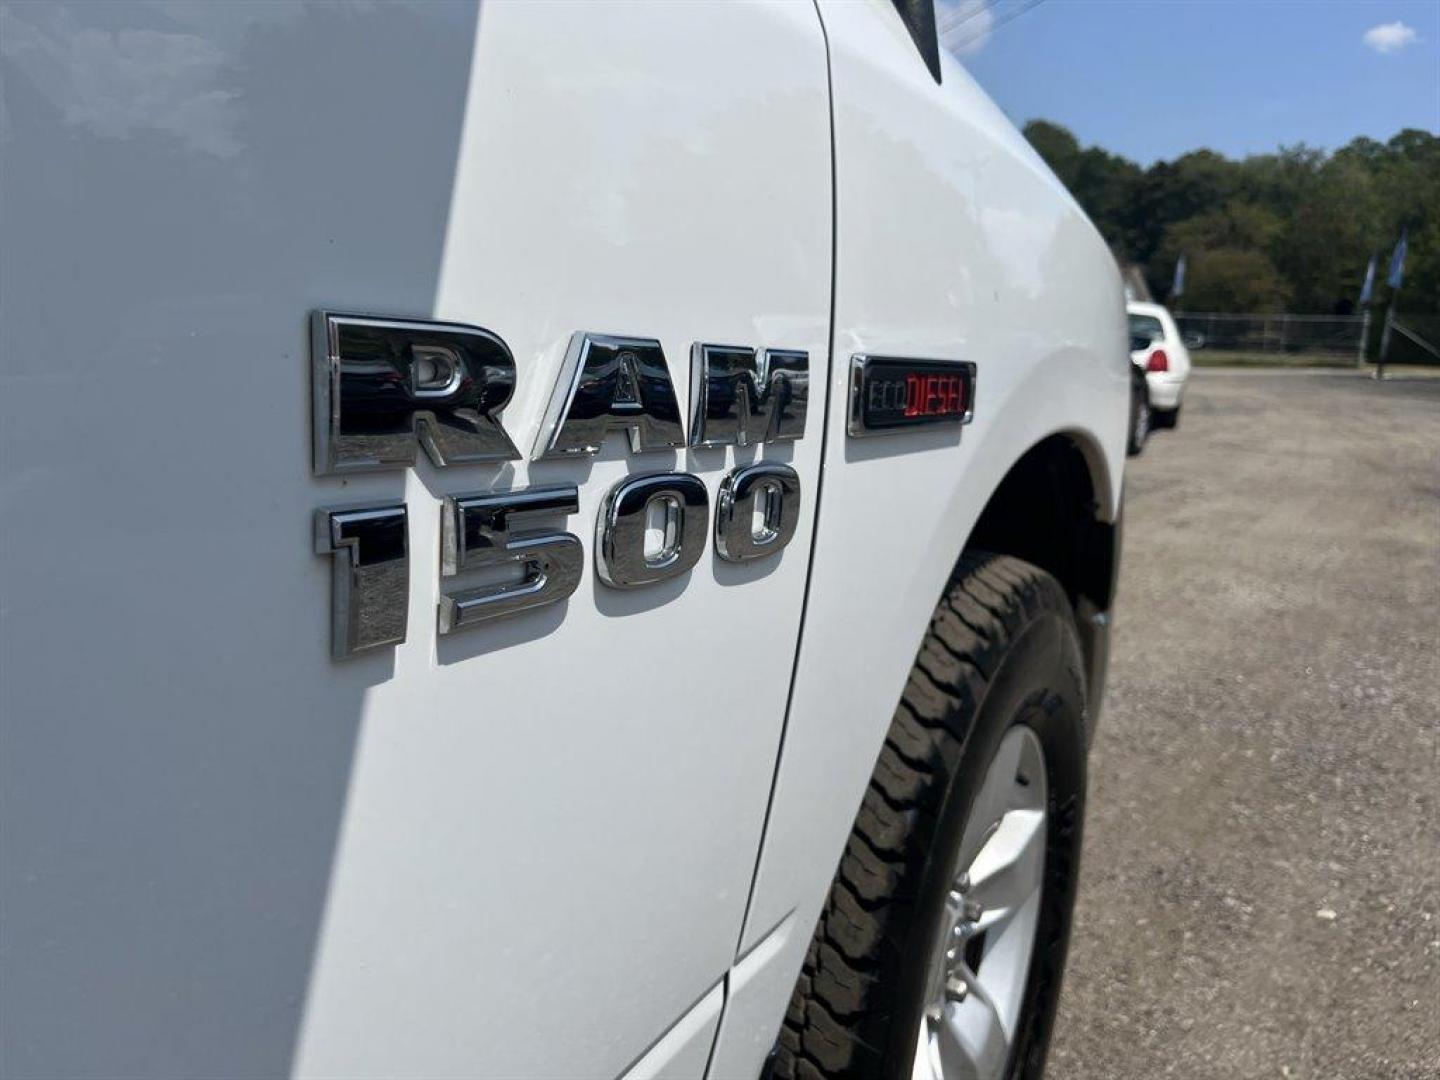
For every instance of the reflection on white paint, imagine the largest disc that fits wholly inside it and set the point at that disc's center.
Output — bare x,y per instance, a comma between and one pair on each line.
115,83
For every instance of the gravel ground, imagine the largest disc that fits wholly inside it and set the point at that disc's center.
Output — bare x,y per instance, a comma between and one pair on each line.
1260,890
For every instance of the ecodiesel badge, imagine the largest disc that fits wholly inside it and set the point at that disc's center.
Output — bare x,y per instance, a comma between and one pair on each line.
890,394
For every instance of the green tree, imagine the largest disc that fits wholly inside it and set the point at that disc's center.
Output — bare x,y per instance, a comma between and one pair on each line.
1407,179
1234,279
1328,236
1107,186
1057,146
1293,228
1229,265
1236,224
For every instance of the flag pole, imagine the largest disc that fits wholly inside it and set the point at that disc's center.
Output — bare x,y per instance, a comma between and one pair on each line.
1367,296
1395,277
1385,334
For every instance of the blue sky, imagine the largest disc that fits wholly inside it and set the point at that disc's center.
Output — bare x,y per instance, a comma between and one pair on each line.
1153,80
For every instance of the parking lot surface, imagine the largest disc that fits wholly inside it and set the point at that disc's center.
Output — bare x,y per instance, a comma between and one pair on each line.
1260,890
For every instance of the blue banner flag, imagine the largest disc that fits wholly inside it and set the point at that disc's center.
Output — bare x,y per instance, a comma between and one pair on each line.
1178,287
1397,260
1368,289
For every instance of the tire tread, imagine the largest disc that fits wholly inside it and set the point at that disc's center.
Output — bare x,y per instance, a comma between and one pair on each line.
834,1026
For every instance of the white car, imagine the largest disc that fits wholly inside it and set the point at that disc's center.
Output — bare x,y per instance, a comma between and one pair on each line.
541,540
1165,359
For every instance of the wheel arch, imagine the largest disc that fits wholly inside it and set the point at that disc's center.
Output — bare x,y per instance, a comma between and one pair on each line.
1052,510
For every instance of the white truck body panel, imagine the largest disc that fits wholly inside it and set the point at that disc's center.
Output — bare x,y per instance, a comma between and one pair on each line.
223,852
954,240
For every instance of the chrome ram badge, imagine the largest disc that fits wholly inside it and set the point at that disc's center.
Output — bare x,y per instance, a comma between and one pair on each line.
739,397
611,384
383,388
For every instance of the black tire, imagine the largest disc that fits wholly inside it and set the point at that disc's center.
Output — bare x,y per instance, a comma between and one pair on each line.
1165,418
1001,649
1141,420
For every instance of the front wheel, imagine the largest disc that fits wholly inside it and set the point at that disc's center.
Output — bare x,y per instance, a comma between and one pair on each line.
942,942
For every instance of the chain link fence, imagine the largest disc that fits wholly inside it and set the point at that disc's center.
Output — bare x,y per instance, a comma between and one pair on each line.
1414,339
1307,340
1290,339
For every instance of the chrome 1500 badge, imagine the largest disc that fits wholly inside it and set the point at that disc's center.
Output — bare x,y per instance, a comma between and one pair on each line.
386,388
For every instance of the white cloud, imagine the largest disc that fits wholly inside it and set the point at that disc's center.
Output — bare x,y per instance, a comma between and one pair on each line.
964,25
1388,37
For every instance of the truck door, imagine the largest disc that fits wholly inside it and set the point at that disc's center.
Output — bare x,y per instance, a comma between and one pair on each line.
518,849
